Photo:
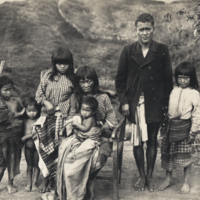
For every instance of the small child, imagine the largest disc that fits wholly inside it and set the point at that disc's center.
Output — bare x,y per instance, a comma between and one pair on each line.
32,114
11,109
86,122
184,118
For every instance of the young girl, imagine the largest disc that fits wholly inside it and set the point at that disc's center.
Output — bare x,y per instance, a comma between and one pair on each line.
87,122
53,94
31,155
11,109
184,120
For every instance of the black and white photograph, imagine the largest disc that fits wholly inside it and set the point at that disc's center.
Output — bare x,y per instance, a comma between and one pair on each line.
99,100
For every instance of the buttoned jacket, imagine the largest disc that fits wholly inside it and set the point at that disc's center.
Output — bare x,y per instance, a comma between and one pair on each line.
151,75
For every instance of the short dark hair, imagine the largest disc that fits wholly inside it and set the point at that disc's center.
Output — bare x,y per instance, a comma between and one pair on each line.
30,101
187,69
92,102
145,17
4,80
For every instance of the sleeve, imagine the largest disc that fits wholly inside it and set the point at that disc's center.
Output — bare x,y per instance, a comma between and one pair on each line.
40,96
110,118
73,107
121,76
195,128
168,81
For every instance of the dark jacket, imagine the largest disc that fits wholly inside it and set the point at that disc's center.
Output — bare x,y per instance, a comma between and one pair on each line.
152,75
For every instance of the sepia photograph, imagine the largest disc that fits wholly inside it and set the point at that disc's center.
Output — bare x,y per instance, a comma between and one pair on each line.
99,100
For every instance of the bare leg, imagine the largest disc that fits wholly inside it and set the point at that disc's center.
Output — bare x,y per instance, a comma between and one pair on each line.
2,170
186,188
11,188
36,172
167,181
90,188
151,154
139,158
29,171
43,186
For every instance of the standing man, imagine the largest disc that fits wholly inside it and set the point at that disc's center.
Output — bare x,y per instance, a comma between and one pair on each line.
143,84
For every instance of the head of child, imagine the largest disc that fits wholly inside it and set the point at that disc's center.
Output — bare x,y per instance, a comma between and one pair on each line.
6,87
88,107
32,108
62,63
185,75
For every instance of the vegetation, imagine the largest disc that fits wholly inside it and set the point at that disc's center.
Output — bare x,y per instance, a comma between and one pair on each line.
31,30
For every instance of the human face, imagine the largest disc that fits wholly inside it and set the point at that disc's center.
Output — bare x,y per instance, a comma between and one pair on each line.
144,31
62,68
86,85
183,81
31,112
86,111
7,91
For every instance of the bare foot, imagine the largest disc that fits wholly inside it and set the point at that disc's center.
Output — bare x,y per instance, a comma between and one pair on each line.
11,189
43,187
34,188
165,184
151,185
139,186
185,189
27,188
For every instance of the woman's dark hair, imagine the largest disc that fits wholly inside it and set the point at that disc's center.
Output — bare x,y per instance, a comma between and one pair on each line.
90,101
4,80
63,56
30,101
81,74
187,69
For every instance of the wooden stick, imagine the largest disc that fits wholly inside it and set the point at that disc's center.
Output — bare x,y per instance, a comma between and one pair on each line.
1,66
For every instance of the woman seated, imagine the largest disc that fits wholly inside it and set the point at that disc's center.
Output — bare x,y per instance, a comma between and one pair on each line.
80,158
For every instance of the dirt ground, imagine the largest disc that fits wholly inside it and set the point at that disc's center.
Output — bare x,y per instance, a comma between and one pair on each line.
103,188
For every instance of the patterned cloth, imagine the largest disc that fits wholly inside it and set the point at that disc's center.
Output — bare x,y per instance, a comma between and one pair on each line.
106,118
185,105
48,127
74,167
77,160
139,130
10,138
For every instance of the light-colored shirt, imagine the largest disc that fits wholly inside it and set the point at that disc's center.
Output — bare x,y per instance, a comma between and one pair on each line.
185,103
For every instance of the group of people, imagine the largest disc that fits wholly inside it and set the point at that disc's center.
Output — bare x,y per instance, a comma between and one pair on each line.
66,127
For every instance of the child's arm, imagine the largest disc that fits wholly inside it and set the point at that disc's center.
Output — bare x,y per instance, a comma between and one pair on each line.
86,126
25,137
40,96
195,128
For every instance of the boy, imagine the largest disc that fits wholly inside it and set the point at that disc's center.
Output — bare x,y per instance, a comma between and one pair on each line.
10,132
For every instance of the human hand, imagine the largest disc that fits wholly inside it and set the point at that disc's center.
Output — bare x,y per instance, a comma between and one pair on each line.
49,107
125,110
20,113
81,136
191,138
197,138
